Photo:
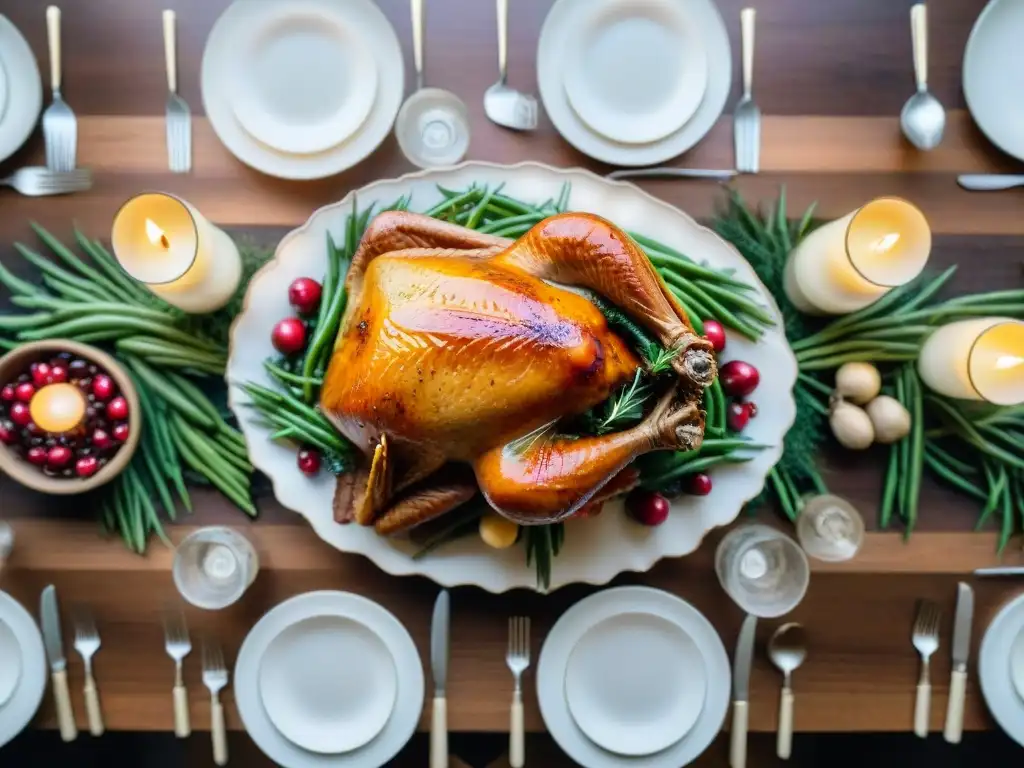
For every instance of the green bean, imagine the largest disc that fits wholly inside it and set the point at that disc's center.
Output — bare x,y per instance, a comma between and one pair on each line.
1006,529
175,399
116,326
112,270
288,378
685,265
915,447
362,223
691,466
47,267
889,489
805,222
322,336
89,272
195,395
748,307
478,210
525,219
24,322
828,363
950,475
214,462
710,416
962,467
287,433
313,432
714,309
903,446
812,383
996,481
232,491
147,505
787,503
331,279
80,292
121,511
18,286
153,346
721,409
972,435
157,481
992,297
846,347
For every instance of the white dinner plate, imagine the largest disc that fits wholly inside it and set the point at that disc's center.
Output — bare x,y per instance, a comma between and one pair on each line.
328,683
993,75
10,662
635,683
408,700
3,90
577,622
561,31
645,94
363,19
995,669
303,80
19,109
23,702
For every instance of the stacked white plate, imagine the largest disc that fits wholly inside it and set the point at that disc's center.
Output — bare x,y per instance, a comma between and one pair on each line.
634,82
22,665
302,89
1001,668
329,679
633,677
21,89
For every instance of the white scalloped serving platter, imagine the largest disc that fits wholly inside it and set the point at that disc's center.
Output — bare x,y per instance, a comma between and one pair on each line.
596,549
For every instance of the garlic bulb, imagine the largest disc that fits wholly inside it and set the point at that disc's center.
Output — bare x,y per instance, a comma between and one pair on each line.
889,418
851,425
858,382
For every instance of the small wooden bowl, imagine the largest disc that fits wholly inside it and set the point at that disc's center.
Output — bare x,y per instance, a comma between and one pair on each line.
15,363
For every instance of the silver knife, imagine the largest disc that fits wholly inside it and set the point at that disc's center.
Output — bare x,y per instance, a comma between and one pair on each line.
50,615
439,670
989,182
741,692
961,649
673,173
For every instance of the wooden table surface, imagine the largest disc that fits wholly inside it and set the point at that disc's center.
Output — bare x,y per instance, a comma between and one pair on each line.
830,79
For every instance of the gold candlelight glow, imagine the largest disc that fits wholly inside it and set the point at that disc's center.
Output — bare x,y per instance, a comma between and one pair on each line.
851,262
166,244
977,359
58,408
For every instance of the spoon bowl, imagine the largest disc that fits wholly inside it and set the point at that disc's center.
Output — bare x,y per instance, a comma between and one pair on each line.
923,120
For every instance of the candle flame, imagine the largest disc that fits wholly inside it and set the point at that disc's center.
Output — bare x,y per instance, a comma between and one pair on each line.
886,242
1008,361
156,235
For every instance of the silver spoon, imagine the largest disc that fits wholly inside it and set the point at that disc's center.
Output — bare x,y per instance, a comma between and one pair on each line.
787,649
504,105
432,126
923,119
6,542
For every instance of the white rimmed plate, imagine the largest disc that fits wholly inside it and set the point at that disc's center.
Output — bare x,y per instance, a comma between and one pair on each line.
3,89
596,549
995,669
408,673
559,31
575,624
636,72
304,80
328,683
24,87
10,662
367,21
993,75
23,702
635,683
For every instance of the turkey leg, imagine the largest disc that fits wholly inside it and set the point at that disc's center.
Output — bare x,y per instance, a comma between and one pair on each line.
543,478
586,251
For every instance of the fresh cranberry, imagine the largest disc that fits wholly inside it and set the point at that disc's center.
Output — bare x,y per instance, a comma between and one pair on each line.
58,374
24,391
103,387
647,507
36,455
739,414
7,393
121,431
8,434
699,484
309,461
78,368
87,466
58,456
117,409
20,414
289,336
738,378
304,294
101,440
714,332
41,374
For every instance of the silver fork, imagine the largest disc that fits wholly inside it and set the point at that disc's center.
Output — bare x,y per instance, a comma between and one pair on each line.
87,642
60,131
746,121
36,181
215,677
926,641
179,118
518,659
178,647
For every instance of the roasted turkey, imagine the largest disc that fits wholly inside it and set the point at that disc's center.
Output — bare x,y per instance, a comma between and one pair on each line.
460,353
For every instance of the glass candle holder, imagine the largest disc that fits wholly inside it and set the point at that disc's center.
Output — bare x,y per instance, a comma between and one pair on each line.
830,528
977,359
214,566
851,262
166,244
764,571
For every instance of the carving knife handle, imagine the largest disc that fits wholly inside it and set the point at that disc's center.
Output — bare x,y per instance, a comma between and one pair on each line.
439,734
955,708
65,714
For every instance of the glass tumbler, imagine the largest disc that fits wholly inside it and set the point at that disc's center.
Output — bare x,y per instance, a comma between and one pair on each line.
764,571
214,566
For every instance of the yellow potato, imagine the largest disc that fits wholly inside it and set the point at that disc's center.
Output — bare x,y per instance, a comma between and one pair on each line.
497,531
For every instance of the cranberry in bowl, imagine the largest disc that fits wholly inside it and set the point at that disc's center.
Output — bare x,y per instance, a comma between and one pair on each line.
69,416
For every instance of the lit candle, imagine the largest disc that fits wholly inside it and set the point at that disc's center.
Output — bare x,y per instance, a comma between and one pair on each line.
58,408
165,243
978,359
851,262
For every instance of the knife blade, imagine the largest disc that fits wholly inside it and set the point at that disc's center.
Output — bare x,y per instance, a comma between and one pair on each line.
740,691
961,650
49,613
439,670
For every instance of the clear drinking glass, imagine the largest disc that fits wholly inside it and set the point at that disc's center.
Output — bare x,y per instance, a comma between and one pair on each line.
764,571
830,528
214,566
